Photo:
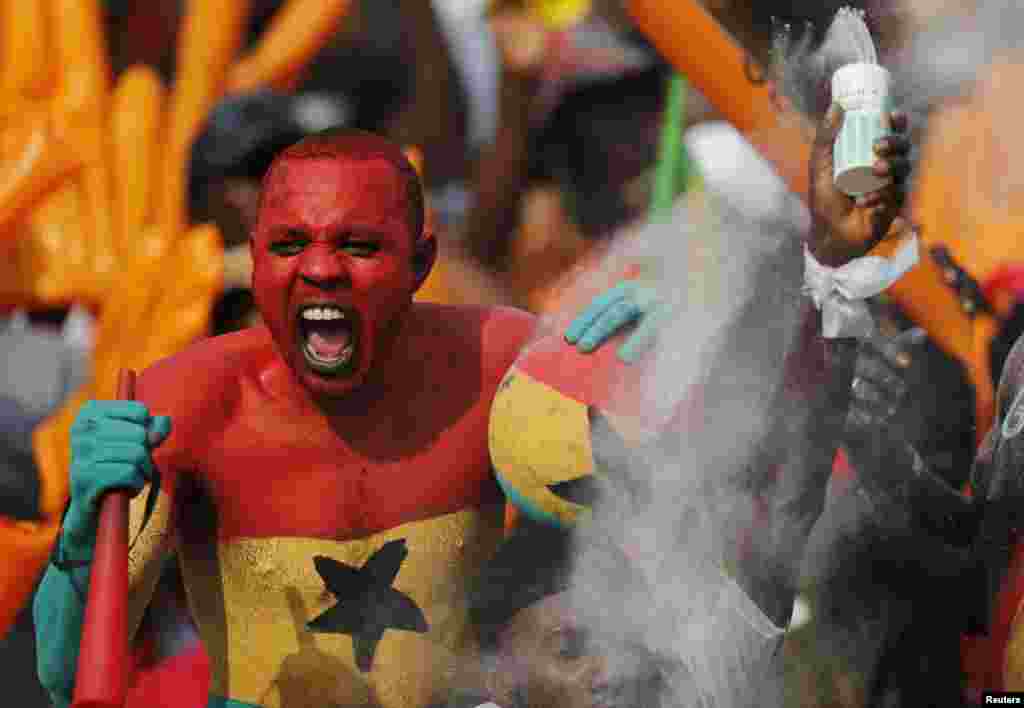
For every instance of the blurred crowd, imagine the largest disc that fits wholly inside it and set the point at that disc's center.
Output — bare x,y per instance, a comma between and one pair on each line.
538,127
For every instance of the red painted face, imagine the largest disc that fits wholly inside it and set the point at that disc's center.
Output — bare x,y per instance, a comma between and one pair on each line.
333,266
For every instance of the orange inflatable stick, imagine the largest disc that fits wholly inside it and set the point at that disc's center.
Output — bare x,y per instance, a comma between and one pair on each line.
719,67
932,305
136,127
979,244
296,33
24,45
209,39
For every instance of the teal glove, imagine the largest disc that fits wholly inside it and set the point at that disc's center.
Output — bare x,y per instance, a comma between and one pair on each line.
111,446
629,302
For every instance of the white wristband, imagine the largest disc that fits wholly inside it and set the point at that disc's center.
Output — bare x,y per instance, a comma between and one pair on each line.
840,292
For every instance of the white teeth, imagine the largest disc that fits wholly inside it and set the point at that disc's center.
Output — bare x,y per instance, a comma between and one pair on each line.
322,313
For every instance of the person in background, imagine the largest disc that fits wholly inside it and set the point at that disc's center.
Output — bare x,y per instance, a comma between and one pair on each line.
582,116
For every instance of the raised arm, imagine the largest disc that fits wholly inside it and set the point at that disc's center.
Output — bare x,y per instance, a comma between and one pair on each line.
500,175
811,403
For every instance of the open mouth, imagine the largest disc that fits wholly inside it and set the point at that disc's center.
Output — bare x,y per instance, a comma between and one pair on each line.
327,338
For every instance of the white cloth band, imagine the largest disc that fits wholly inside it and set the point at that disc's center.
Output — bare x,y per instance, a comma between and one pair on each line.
840,292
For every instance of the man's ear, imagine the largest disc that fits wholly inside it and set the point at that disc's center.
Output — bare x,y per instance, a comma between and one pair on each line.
423,258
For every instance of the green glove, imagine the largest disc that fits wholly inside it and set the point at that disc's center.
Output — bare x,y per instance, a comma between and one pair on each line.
111,446
629,302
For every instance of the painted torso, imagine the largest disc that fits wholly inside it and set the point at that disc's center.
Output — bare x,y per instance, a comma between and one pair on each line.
253,598
283,514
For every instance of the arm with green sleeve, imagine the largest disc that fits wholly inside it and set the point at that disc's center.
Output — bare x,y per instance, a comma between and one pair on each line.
111,448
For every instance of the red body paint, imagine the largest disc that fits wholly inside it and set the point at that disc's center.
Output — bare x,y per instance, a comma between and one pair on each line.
271,446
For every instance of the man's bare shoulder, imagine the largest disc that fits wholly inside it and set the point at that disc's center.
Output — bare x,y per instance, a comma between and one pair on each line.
204,378
500,332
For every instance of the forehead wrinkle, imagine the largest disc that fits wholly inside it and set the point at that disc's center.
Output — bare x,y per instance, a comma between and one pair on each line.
364,189
352,146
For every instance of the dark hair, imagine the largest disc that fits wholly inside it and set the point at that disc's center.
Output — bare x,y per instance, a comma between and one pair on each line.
594,142
240,139
353,144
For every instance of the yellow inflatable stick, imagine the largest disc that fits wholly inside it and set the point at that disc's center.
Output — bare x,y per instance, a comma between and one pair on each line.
57,259
24,43
168,276
136,126
210,37
168,300
296,34
80,107
173,297
190,284
559,14
33,162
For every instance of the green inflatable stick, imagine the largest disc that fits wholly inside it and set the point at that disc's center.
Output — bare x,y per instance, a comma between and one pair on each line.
673,170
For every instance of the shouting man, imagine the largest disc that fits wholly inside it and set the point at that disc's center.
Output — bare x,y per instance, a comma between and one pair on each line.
326,481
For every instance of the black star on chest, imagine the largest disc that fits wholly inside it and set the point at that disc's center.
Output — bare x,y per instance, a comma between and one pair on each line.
367,603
